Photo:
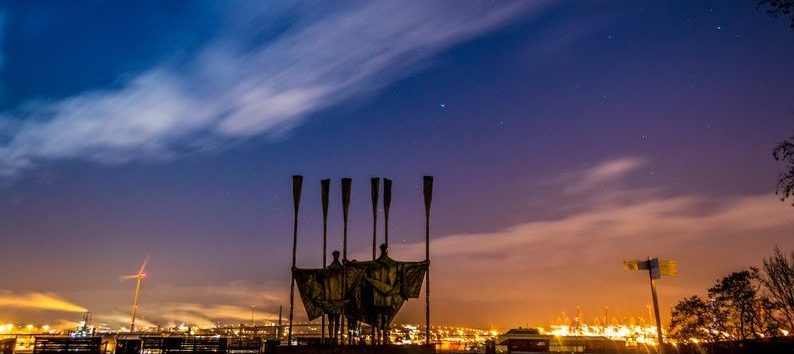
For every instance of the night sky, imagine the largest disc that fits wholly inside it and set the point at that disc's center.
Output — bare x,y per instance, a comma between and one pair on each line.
564,136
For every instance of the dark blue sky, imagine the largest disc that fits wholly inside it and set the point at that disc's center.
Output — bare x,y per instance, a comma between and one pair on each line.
564,136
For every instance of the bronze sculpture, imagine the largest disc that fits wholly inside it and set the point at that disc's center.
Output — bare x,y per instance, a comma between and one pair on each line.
387,285
323,292
370,292
374,292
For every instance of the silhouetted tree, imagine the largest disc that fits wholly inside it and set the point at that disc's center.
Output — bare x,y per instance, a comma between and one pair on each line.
778,280
770,317
785,152
695,319
743,305
738,294
779,8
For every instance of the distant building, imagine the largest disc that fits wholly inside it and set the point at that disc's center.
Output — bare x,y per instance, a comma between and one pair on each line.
531,340
525,341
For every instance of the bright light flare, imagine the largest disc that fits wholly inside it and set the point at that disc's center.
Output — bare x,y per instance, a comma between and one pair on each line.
38,301
644,334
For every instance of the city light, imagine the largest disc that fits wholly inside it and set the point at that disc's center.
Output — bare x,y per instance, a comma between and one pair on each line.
631,333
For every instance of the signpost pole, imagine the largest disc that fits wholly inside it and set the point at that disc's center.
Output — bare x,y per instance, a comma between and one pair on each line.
656,308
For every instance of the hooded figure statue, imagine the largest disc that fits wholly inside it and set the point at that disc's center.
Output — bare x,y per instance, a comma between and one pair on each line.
386,286
328,291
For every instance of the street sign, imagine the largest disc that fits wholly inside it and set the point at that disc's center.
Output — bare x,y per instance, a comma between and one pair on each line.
653,265
633,264
658,268
668,267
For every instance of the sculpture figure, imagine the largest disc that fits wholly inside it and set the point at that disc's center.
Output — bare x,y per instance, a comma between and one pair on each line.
323,291
387,285
370,292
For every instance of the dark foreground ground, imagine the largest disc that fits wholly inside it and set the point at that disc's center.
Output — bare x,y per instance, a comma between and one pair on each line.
769,346
220,345
363,349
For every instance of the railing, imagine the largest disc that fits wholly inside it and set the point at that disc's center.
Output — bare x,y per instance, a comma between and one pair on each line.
58,345
7,345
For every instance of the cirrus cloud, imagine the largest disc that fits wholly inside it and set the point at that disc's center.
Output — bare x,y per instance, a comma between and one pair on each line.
240,86
530,272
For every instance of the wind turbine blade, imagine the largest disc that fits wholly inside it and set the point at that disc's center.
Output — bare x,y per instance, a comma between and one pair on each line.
127,277
143,266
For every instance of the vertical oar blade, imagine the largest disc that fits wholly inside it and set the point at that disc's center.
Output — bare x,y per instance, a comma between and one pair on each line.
325,186
386,208
346,185
428,192
297,185
325,189
375,184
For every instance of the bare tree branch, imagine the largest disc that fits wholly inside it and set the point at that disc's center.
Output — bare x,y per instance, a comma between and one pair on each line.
785,152
778,279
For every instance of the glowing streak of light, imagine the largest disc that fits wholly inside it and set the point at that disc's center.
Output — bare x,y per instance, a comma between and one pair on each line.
38,301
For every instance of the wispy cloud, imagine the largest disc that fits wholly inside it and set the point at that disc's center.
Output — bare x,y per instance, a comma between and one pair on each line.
530,272
37,301
240,86
205,315
206,305
121,320
600,175
171,314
